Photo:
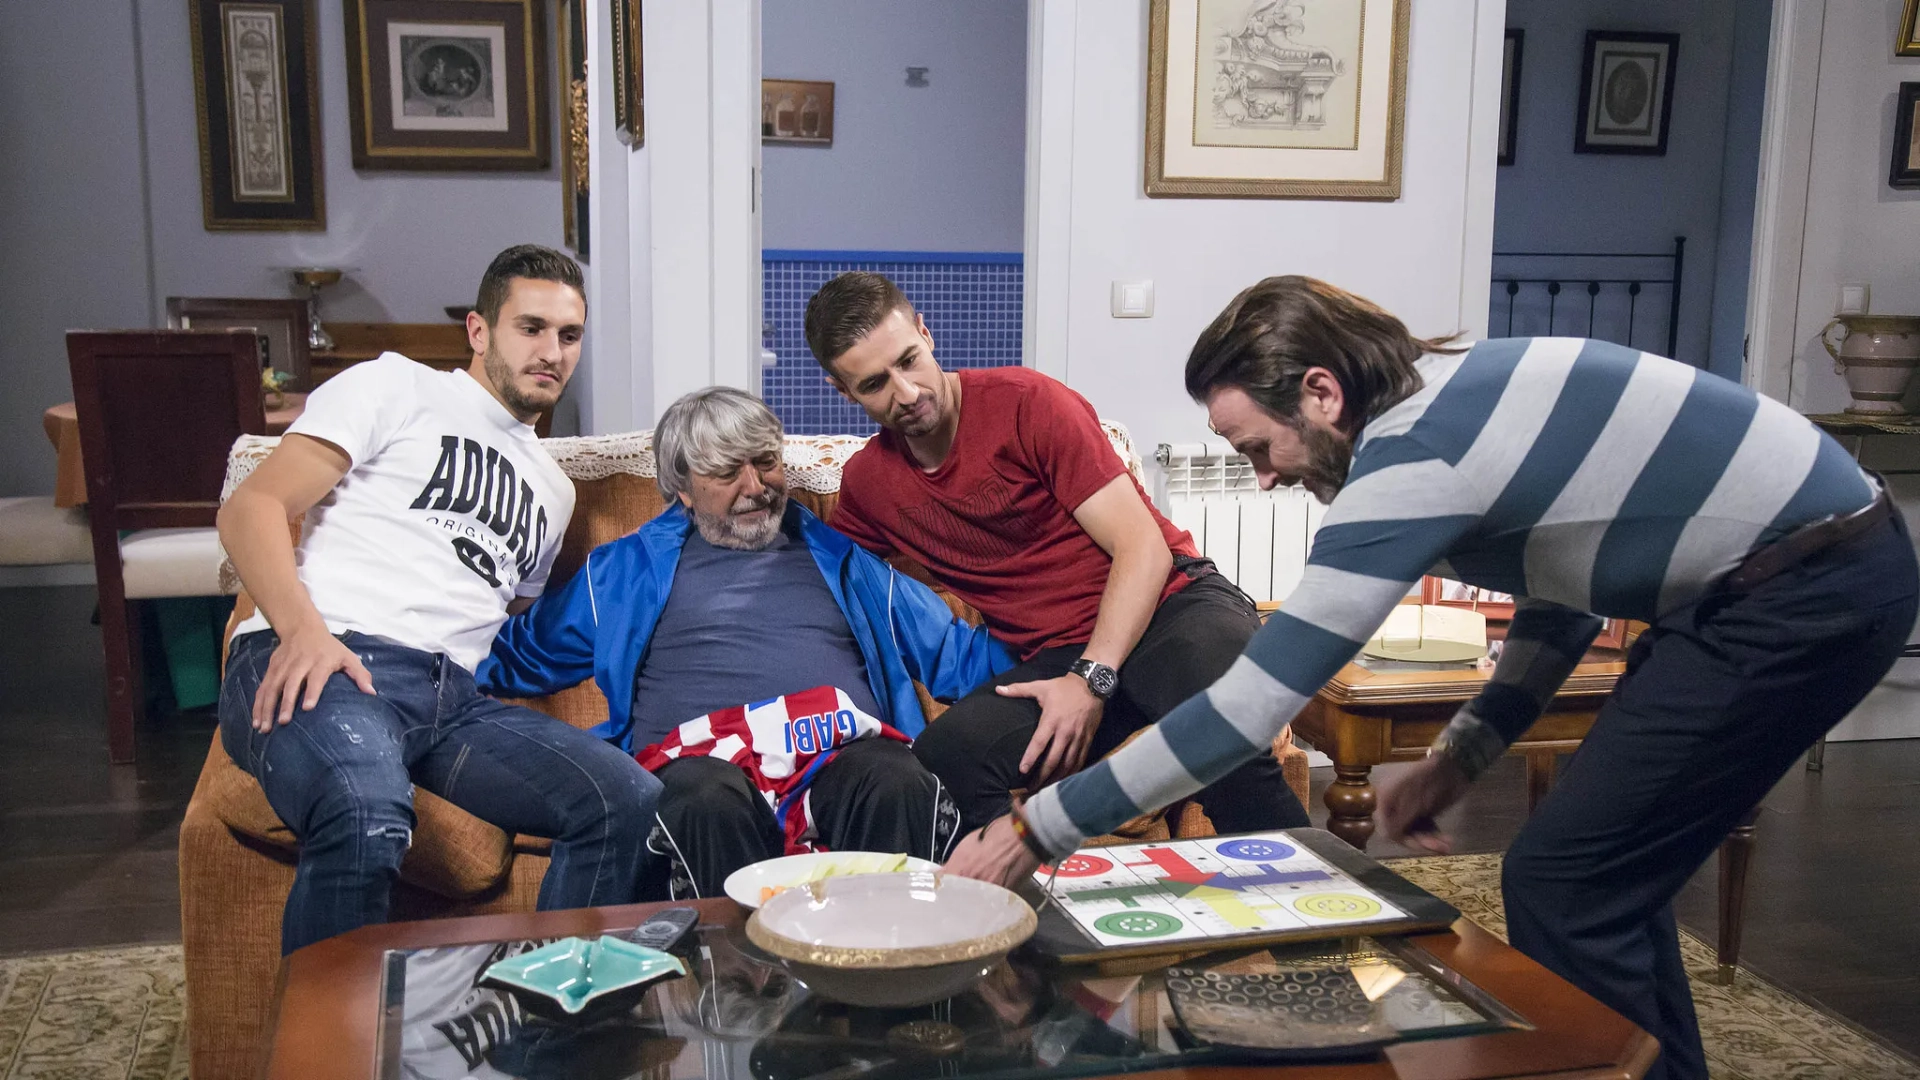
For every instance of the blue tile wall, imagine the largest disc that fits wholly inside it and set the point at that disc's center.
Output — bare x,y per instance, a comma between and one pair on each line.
970,300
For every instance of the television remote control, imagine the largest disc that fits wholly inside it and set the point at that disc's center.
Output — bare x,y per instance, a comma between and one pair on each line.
665,929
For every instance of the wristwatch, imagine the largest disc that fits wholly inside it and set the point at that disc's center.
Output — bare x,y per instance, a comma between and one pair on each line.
1101,679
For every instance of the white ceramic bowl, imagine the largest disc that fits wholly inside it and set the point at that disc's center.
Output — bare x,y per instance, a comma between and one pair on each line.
891,939
744,884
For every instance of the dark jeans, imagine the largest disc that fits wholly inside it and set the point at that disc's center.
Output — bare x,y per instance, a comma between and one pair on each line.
1718,701
873,796
975,747
341,777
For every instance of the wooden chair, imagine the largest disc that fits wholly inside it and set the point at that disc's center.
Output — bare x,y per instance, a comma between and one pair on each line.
158,411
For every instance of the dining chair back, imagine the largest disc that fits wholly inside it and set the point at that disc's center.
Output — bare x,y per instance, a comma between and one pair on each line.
158,411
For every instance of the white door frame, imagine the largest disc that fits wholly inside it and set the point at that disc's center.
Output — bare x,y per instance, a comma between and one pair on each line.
702,148
1780,206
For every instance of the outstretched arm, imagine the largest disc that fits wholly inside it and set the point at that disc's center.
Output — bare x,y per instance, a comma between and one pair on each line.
1382,533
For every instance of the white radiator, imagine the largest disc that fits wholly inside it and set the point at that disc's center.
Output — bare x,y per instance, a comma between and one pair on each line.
1259,539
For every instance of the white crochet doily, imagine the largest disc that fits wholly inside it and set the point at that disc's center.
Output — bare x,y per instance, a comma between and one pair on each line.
813,462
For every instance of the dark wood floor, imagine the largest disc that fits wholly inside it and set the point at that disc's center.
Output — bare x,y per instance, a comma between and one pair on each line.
87,850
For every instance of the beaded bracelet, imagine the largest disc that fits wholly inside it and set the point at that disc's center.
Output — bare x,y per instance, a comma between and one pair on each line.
1025,832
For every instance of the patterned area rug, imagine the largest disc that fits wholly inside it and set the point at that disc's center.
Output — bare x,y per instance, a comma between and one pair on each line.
1752,1030
121,1013
117,1013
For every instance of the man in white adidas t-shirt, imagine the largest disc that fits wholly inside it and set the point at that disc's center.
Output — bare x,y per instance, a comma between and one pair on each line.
431,513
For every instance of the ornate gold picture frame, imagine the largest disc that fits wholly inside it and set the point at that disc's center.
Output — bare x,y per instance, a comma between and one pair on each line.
1909,43
447,84
257,95
1253,99
629,85
574,161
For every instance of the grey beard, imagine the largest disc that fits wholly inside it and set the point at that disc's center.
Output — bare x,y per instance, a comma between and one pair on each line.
727,531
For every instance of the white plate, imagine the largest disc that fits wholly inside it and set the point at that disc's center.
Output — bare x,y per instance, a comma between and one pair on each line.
744,884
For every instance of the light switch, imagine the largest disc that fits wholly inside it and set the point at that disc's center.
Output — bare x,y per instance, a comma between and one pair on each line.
1854,300
1133,299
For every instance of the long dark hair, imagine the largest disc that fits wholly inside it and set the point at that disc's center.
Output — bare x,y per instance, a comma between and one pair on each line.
1271,333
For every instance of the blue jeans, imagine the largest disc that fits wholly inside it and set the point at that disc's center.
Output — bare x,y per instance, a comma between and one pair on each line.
341,777
1719,700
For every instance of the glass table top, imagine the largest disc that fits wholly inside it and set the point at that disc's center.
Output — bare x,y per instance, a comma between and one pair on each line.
741,1016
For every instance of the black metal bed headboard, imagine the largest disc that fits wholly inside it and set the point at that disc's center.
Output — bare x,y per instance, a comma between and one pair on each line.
1539,293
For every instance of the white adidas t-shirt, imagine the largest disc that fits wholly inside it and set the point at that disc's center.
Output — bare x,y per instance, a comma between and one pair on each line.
449,510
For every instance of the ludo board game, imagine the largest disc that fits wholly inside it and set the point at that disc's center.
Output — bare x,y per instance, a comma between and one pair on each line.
1224,892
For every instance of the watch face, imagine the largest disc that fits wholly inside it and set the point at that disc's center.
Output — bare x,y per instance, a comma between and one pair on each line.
1101,679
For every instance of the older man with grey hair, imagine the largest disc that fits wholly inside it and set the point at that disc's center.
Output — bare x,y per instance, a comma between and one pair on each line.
759,663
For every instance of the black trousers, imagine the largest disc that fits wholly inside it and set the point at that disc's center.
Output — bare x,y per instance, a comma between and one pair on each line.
711,821
975,747
1718,701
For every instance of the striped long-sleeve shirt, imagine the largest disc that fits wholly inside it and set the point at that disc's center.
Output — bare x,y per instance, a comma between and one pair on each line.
1585,478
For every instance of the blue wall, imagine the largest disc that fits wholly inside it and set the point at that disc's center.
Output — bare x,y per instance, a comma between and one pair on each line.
971,304
933,168
1554,199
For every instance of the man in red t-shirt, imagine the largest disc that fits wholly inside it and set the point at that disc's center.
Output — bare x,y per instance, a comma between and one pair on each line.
1002,484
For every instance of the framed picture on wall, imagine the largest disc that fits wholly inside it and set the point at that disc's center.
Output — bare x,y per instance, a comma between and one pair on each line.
794,112
575,205
281,326
1626,92
256,91
447,84
629,113
1906,138
1510,91
1909,43
1303,99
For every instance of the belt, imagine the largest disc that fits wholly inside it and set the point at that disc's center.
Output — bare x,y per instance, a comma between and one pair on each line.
1806,541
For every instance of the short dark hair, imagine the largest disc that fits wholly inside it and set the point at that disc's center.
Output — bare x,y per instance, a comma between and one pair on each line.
524,261
1271,333
847,309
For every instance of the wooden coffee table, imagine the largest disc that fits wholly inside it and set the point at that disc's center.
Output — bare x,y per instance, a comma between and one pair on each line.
328,1022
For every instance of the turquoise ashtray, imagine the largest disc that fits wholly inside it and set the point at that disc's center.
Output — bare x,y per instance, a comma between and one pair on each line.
576,981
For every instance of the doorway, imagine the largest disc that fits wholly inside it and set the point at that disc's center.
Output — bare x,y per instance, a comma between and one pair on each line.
894,140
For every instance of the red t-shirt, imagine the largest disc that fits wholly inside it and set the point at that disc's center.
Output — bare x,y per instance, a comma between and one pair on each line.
994,523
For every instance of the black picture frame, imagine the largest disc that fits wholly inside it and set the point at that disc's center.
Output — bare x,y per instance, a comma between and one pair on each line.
259,58
1510,54
576,207
491,113
1632,112
1905,171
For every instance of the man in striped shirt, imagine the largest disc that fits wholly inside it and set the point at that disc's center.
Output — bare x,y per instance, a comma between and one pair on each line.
1588,480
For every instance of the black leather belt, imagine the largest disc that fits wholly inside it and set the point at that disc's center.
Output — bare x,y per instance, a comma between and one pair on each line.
1806,541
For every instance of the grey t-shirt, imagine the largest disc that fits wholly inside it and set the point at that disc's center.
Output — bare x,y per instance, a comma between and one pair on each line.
741,627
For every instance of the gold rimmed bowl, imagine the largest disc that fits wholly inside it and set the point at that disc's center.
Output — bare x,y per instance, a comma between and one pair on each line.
891,939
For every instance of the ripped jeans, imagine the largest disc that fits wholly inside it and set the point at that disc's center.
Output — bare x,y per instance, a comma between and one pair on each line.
341,777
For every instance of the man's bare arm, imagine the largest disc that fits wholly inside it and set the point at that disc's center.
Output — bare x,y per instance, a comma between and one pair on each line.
1118,520
253,529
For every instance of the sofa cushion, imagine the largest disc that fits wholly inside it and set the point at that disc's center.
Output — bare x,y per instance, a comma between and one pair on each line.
454,854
